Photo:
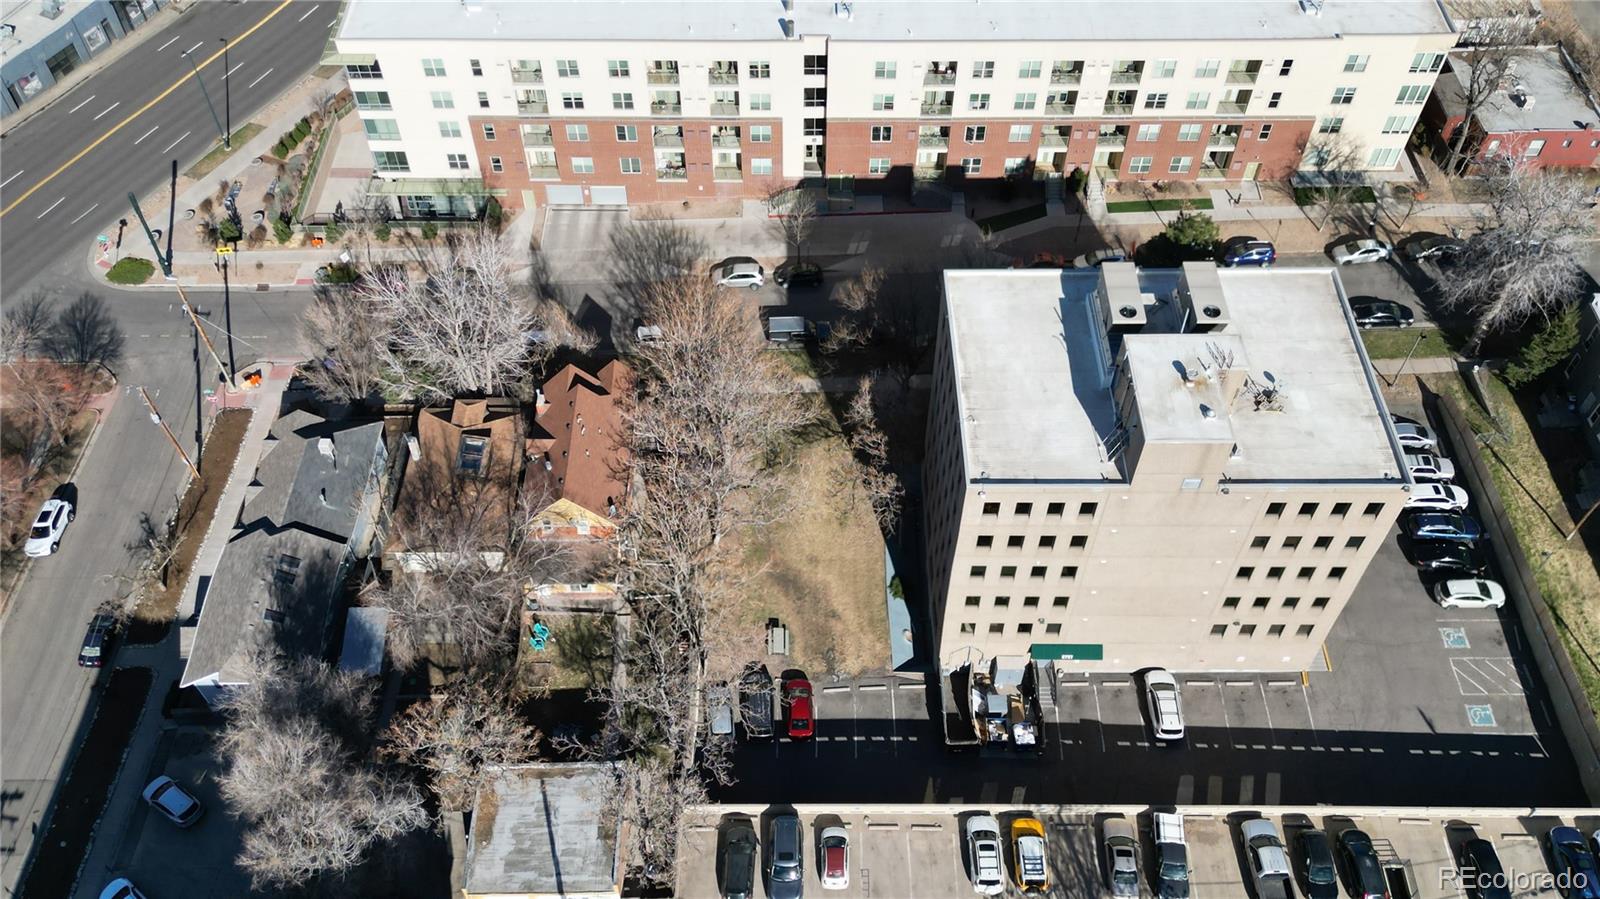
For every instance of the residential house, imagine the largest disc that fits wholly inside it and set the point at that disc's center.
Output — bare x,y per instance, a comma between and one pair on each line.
541,832
467,462
308,514
576,453
1543,112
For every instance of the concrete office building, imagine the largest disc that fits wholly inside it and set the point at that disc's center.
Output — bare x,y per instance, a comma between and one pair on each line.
628,102
1126,468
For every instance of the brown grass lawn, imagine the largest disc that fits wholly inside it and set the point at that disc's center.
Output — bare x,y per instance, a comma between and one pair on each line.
1539,515
820,571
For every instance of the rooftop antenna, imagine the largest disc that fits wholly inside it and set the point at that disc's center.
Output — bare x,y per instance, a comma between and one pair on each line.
1221,357
1267,398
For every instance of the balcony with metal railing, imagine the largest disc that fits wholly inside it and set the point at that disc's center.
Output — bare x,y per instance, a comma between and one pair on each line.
532,107
934,141
668,137
939,76
538,138
1066,76
725,109
1111,139
1127,76
1055,139
1243,76
937,108
545,172
1212,172
726,173
666,106
725,139
1119,109
1232,107
1223,140
724,76
1060,109
528,76
672,173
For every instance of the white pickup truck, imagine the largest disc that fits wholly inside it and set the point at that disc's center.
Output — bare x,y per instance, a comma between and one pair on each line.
1269,861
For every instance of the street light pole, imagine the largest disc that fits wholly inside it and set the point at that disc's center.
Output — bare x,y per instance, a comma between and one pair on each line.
207,95
227,98
227,318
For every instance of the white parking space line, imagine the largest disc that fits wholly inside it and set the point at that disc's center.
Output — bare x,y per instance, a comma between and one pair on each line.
1185,789
82,103
855,728
84,213
1267,707
232,70
145,135
894,730
1309,717
51,209
14,177
1247,789
258,78
192,49
107,109
1098,717
309,12
170,42
176,142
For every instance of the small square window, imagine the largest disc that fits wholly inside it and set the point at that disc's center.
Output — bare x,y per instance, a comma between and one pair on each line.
496,165
1008,571
1245,572
1275,572
972,601
1320,603
578,133
1275,630
1048,541
1275,509
1247,630
997,628
1340,510
1055,508
1052,629
476,66
1069,571
1303,630
1037,571
1078,541
483,99
991,508
1030,602
1308,509
1260,542
1290,603
1014,541
617,68
1373,510
1305,572
1025,628
627,133
1087,510
978,571
1260,602
457,161
1323,543
1024,508
968,627
1336,573
1231,602
1354,542
985,541
882,134
1291,543
1002,602
1218,631
1060,602
567,68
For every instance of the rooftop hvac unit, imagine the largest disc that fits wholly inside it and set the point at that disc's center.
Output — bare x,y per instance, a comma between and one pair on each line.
1199,296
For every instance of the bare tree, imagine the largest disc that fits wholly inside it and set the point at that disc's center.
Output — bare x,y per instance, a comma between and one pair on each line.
26,327
891,311
650,797
1524,261
86,333
1338,179
298,778
1559,26
1500,34
792,214
873,476
646,255
346,338
457,736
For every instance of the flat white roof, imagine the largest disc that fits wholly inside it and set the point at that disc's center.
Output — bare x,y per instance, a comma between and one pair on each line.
884,20
1034,383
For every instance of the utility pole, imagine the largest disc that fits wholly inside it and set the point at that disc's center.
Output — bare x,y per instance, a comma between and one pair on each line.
207,95
227,99
222,370
227,316
1418,342
155,416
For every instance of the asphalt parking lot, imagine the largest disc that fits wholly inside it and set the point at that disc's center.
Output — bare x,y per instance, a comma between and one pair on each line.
919,851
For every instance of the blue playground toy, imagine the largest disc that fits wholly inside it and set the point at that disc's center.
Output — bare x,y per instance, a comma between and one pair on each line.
540,636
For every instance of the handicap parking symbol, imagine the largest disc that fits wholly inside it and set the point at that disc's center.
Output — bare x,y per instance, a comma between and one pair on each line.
1454,637
1480,715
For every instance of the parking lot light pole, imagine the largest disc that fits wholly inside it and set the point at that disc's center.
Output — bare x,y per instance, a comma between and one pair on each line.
227,99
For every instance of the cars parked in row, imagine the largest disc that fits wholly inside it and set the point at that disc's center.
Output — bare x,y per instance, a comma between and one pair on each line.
983,855
1030,869
1318,875
739,271
1437,247
1480,867
1355,252
1452,526
97,641
1269,861
797,700
1436,498
737,873
1470,593
1428,467
1166,704
786,871
1361,860
1572,856
798,274
835,864
1372,312
1447,556
1122,857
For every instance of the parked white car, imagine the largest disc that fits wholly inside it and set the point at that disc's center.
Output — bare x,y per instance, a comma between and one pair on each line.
1166,704
44,537
740,271
1414,437
1437,498
983,852
1122,857
173,802
1428,467
1473,593
835,864
1357,251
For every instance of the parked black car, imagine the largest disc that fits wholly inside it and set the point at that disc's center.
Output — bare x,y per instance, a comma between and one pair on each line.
1361,859
1371,312
1434,246
738,870
97,641
1318,877
1481,871
1439,555
798,274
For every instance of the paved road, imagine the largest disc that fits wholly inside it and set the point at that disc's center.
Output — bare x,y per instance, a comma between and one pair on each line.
121,129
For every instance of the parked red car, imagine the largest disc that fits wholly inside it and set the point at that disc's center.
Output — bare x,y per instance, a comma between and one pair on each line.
797,697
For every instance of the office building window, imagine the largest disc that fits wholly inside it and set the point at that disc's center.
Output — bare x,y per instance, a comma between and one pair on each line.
1427,62
433,68
457,161
968,627
483,99
1266,131
366,71
1207,68
1275,99
390,161
1189,132
1331,125
372,100
1284,68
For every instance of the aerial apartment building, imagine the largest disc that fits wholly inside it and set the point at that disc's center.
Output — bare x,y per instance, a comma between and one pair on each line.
610,102
1127,468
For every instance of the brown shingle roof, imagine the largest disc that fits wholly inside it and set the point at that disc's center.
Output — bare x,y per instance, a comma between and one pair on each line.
436,476
583,437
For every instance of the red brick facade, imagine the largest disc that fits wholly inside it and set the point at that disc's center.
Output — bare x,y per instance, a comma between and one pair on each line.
1574,148
607,152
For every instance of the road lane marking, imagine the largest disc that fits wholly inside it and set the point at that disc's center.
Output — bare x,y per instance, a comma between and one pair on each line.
232,70
176,142
12,178
168,43
107,109
258,78
192,49
309,12
52,207
158,98
84,213
145,135
84,103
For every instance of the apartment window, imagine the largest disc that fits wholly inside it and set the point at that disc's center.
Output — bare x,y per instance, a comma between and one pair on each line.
1306,572
991,508
1290,544
442,100
390,161
1389,157
1218,631
1308,509
1343,96
621,100
1207,68
881,102
371,71
617,68
1048,541
972,602
1275,510
457,161
572,101
1245,572
1322,543
1052,629
763,103
882,134
814,127
1140,165
816,96
883,70
978,101
1069,571
1260,602
1164,68
1336,573
1188,132
627,133
1427,62
1331,125
1055,509
630,165
983,69
1025,101
1198,100
389,129
1002,602
1354,542
372,100
1155,101
1303,630
816,65
1534,148
433,68
1025,627
1266,131
997,628
1014,541
1275,99
578,133
878,165
759,69
1149,133
1037,571
1060,602
976,133
1030,68
1412,95
1230,602
1180,164
985,541
1247,631
1023,509
1290,603
1275,630
1087,510
1339,510
567,68
978,571
1275,573
583,165
1021,133
1259,542
1373,510
1285,68
761,134
1320,603
496,165
489,132
968,627
1008,571
1356,62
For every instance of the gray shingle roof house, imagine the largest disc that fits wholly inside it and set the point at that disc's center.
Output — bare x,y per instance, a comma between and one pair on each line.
308,512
